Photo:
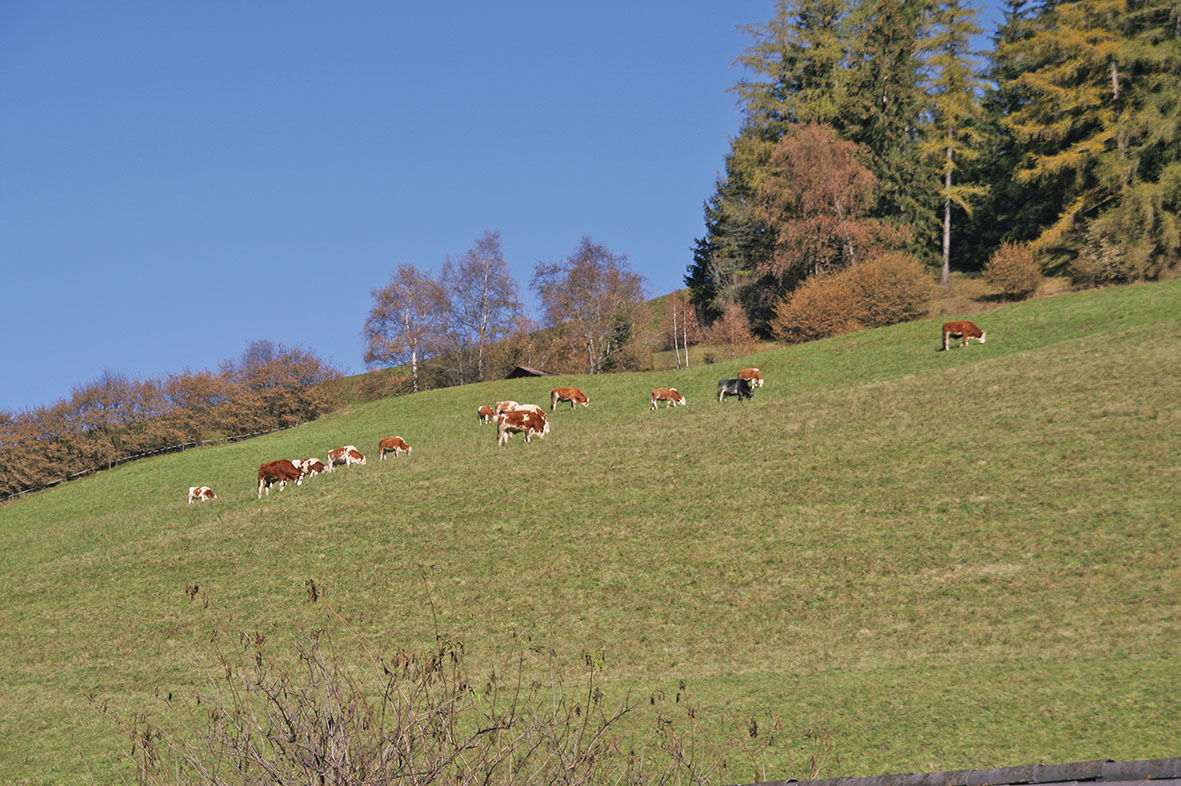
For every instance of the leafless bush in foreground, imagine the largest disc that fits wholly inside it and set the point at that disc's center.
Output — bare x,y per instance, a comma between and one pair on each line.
423,718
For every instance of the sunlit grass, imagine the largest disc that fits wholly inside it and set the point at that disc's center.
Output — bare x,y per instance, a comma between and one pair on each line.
934,560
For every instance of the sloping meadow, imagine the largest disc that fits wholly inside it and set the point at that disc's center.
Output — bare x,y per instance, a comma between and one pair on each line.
902,559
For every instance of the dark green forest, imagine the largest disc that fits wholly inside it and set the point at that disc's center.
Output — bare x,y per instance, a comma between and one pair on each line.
873,127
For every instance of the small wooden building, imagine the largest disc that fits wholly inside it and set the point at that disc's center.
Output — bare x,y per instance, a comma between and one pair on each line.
527,371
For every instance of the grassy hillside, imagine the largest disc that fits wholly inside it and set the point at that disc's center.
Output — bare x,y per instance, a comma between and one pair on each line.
926,560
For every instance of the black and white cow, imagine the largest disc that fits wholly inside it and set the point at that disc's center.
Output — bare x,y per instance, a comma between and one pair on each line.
734,387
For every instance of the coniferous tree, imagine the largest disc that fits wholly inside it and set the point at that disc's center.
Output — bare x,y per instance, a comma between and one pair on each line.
1100,118
736,239
954,137
800,57
796,66
881,111
1009,210
1067,89
1144,168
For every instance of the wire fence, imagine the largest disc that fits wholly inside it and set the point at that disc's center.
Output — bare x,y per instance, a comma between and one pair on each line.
124,459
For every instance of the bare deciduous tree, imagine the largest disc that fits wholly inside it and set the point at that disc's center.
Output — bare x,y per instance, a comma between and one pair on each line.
683,327
405,320
732,331
594,297
483,306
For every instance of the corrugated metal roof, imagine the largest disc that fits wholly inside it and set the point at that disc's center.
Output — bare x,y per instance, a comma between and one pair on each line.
1163,772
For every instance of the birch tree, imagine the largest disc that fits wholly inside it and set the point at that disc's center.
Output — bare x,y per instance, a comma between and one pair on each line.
593,296
405,320
482,302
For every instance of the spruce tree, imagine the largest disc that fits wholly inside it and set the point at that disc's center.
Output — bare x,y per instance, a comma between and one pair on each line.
880,110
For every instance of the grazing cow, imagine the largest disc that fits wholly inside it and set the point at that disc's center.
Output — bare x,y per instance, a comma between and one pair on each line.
200,494
310,466
573,395
486,413
752,375
734,387
670,396
961,329
281,472
348,455
393,445
505,406
528,408
518,421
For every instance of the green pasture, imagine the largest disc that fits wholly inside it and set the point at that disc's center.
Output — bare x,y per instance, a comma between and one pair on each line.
917,560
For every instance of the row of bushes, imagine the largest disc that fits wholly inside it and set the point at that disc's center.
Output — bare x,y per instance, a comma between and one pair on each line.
113,419
885,290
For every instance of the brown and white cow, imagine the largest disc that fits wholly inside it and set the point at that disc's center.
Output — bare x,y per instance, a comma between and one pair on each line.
486,414
528,408
348,455
670,396
753,376
281,472
200,494
309,467
573,395
518,422
393,445
961,329
505,406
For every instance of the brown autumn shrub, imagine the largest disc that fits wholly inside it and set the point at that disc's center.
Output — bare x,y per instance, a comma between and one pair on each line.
731,331
1013,271
820,307
884,290
891,288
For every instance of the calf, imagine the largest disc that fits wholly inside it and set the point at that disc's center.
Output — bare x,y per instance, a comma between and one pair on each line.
670,396
393,445
573,395
752,375
516,422
310,466
200,494
348,455
961,329
486,414
281,472
734,387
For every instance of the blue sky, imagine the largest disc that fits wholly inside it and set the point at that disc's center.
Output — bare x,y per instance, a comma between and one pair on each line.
179,179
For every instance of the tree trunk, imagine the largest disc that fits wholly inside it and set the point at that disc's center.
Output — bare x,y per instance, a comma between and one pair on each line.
945,278
676,338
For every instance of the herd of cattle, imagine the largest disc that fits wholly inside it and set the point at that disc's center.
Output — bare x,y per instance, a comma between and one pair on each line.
528,419
510,418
